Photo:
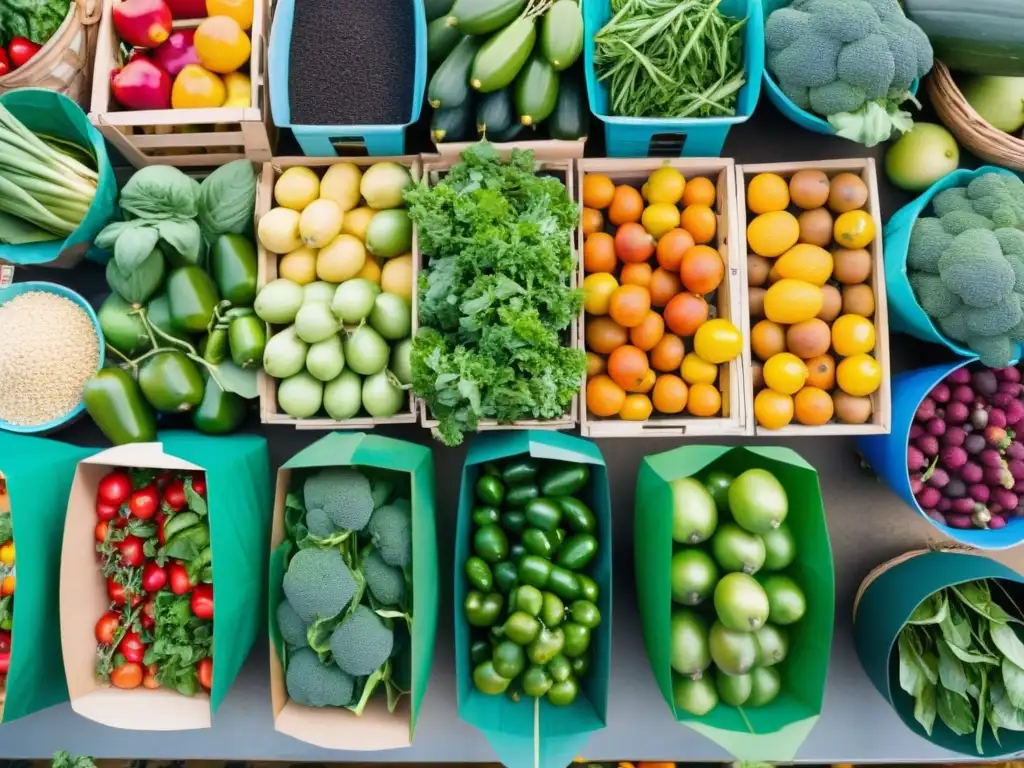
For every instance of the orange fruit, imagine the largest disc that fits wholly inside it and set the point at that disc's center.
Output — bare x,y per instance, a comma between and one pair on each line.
767,339
704,400
637,274
700,222
599,253
629,305
767,192
603,335
647,384
773,410
636,408
239,10
685,313
7,586
772,234
595,365
852,335
626,206
604,396
697,370
221,44
821,372
718,341
667,354
854,229
592,220
785,373
813,406
597,292
702,269
628,367
598,191
647,335
669,394
665,185
664,285
671,247
633,243
859,375
700,191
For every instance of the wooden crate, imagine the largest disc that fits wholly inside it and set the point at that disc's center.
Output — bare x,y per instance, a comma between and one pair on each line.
211,137
730,303
267,271
881,417
433,170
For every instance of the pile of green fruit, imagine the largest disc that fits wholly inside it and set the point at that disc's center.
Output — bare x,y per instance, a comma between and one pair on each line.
728,575
530,602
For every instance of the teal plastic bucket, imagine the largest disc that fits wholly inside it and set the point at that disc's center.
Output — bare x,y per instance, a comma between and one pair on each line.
52,113
905,313
690,137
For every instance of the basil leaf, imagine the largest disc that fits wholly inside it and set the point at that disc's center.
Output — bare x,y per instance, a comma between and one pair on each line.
912,677
159,192
133,246
183,236
1013,682
227,200
924,708
137,286
951,671
955,712
934,610
1003,712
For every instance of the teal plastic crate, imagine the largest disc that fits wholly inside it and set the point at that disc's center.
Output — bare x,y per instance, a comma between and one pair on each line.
326,140
690,137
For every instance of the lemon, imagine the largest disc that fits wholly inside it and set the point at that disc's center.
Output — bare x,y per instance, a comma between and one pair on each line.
718,341
357,222
299,266
659,218
320,222
341,184
278,230
297,188
665,185
383,184
597,290
371,269
852,335
396,277
697,370
239,88
859,375
341,259
785,373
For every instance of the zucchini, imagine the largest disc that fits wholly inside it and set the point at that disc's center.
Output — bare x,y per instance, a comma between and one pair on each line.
455,124
983,37
495,112
507,135
561,34
436,9
502,56
536,90
449,86
442,38
481,17
571,118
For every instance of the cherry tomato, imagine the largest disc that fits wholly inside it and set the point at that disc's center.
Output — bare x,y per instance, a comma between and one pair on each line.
145,502
5,642
106,511
101,531
161,519
154,577
149,681
114,488
7,554
5,663
116,593
174,495
149,614
7,586
131,551
21,50
204,669
128,675
163,477
202,601
107,626
178,576
132,647
199,484
5,63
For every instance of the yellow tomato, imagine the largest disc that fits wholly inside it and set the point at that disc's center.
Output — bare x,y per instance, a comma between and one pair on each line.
717,341
7,586
859,375
598,289
696,370
665,185
659,218
197,88
7,554
852,335
854,229
785,373
221,44
773,410
239,10
239,90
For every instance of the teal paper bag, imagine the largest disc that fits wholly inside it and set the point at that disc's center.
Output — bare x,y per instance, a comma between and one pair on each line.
775,731
238,499
38,473
885,602
376,728
533,733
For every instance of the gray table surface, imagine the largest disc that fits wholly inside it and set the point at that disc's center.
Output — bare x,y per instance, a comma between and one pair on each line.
867,523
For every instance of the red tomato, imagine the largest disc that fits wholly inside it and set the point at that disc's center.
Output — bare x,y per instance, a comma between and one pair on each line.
149,614
132,647
202,601
5,663
205,671
107,626
180,584
131,551
163,477
5,64
145,502
128,675
106,511
199,483
5,642
21,50
115,591
174,495
101,531
154,577
161,519
114,488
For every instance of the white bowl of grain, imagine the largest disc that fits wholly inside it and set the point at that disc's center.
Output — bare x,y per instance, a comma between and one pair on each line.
50,346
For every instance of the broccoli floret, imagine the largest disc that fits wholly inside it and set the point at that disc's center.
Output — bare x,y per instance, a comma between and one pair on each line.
999,198
291,626
993,351
836,97
390,530
318,583
785,27
936,300
385,582
996,320
343,493
361,643
319,524
904,57
317,685
927,242
954,325
798,95
868,64
843,20
974,269
957,222
381,490
808,62
1011,241
949,200
885,8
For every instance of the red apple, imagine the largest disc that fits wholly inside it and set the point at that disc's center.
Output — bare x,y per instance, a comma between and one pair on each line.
188,9
144,23
141,84
176,51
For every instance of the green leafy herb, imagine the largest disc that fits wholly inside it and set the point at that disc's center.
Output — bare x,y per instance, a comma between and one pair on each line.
178,641
227,198
65,760
159,192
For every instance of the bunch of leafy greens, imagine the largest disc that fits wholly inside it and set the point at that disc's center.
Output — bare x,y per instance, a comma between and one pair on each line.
37,20
177,642
960,658
495,299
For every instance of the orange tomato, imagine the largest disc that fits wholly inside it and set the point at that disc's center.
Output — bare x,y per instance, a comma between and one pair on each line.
626,206
101,531
700,222
667,354
647,384
671,247
636,408
700,191
604,396
239,10
636,274
598,191
628,367
767,339
221,44
595,365
702,269
128,675
821,372
685,313
664,285
603,335
669,395
629,305
633,243
592,221
647,335
7,586
813,406
773,410
704,400
599,253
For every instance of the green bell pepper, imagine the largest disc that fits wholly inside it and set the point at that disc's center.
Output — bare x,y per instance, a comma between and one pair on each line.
577,515
540,543
521,627
219,412
234,268
171,382
478,573
215,346
248,338
490,490
577,639
114,401
122,326
577,551
491,543
158,312
509,659
519,472
562,478
486,516
546,645
487,680
192,296
483,610
544,514
505,576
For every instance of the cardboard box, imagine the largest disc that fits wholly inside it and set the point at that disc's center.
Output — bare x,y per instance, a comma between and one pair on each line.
238,500
376,728
775,731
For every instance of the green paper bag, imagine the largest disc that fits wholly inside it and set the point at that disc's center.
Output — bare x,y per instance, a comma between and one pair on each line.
886,600
376,728
238,498
773,732
533,733
38,473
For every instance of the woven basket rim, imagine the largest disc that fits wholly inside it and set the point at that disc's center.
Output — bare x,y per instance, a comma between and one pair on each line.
81,18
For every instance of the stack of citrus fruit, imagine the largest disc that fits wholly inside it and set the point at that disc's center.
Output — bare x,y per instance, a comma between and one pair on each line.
653,343
811,302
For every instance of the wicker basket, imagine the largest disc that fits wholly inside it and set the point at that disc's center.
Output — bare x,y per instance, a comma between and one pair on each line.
970,129
65,62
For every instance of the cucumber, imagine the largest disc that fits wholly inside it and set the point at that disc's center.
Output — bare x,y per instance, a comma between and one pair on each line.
561,34
508,134
435,9
495,112
481,17
536,90
455,124
442,38
449,86
571,118
502,56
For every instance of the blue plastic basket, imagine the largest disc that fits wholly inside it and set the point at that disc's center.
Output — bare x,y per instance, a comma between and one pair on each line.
887,455
905,313
8,293
325,140
695,137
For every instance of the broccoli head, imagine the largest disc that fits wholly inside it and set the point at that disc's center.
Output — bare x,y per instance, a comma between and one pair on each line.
318,584
361,643
385,582
317,685
973,267
999,198
390,529
928,240
343,493
997,320
992,351
936,300
319,524
291,626
949,200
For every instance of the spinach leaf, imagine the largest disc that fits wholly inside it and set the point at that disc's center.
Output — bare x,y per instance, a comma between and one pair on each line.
1006,640
1013,682
137,286
951,671
955,712
159,192
227,200
133,246
934,610
183,237
1004,712
924,708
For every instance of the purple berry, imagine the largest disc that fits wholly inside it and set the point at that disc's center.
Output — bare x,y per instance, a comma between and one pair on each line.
957,413
971,473
997,417
995,509
963,522
1002,399
997,476
916,430
954,436
937,516
959,376
936,427
941,393
1011,388
944,504
916,483
1009,374
928,498
979,492
963,394
953,457
990,458
926,410
963,506
984,382
929,445
939,478
955,488
997,522
974,443
1004,498
1015,413
915,459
